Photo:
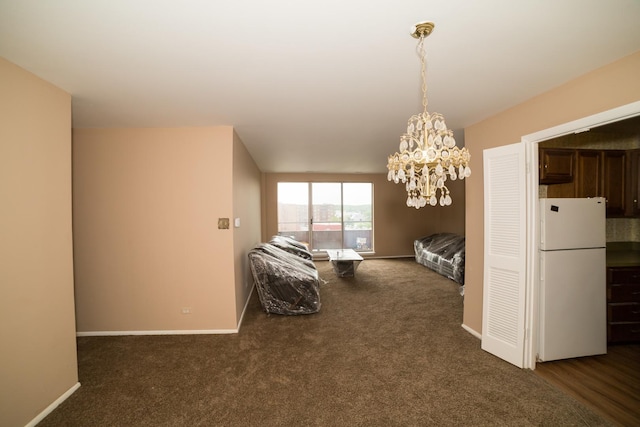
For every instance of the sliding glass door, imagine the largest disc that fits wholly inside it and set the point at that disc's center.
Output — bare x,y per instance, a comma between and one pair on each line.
327,215
357,215
293,211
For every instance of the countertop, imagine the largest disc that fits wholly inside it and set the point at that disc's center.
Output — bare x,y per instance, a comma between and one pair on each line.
623,254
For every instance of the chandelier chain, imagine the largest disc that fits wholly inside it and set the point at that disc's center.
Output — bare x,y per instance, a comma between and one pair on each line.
423,70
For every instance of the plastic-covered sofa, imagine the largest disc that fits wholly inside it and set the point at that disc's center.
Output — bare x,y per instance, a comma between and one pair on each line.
443,253
292,246
285,277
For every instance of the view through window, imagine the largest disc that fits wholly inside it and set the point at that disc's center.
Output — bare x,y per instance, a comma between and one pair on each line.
327,215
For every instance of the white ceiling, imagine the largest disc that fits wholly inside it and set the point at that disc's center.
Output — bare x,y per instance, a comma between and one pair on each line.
322,86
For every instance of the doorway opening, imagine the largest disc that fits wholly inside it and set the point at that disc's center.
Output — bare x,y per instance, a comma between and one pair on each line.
531,142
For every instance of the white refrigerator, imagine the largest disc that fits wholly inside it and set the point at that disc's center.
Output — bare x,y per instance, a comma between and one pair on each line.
573,316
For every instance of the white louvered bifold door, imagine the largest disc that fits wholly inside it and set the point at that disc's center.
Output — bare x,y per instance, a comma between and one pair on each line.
503,321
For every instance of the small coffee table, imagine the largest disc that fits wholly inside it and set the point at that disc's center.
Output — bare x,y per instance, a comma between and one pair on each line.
345,261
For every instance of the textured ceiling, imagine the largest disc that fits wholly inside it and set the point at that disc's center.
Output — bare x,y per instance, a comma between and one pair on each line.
323,86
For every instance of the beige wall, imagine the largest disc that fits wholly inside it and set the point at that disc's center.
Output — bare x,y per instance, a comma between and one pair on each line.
38,362
601,90
147,243
395,225
246,207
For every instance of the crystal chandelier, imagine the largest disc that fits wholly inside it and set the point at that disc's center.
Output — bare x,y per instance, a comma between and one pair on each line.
428,153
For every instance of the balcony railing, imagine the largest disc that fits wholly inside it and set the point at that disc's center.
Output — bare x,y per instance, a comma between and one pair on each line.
359,240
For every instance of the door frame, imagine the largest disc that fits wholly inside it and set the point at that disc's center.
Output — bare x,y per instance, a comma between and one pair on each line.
531,159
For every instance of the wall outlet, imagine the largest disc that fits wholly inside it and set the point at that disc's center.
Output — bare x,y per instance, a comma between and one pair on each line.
186,310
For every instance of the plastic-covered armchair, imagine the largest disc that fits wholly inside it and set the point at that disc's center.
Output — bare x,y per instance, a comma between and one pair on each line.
286,283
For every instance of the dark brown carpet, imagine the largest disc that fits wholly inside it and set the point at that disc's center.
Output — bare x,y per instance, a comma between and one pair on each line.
386,349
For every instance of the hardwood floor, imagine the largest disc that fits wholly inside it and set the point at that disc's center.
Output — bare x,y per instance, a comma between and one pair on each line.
609,384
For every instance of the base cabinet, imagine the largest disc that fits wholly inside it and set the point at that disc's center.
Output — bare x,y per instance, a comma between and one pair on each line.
623,304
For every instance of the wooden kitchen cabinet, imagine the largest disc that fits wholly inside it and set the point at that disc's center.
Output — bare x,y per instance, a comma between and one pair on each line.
614,181
633,187
589,173
556,165
596,173
623,304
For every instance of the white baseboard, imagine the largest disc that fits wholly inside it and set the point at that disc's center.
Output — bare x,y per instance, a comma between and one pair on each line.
366,256
171,332
471,331
49,409
246,305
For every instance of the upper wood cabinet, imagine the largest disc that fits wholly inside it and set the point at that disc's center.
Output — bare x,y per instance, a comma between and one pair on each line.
601,173
612,174
589,180
633,183
614,182
556,165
